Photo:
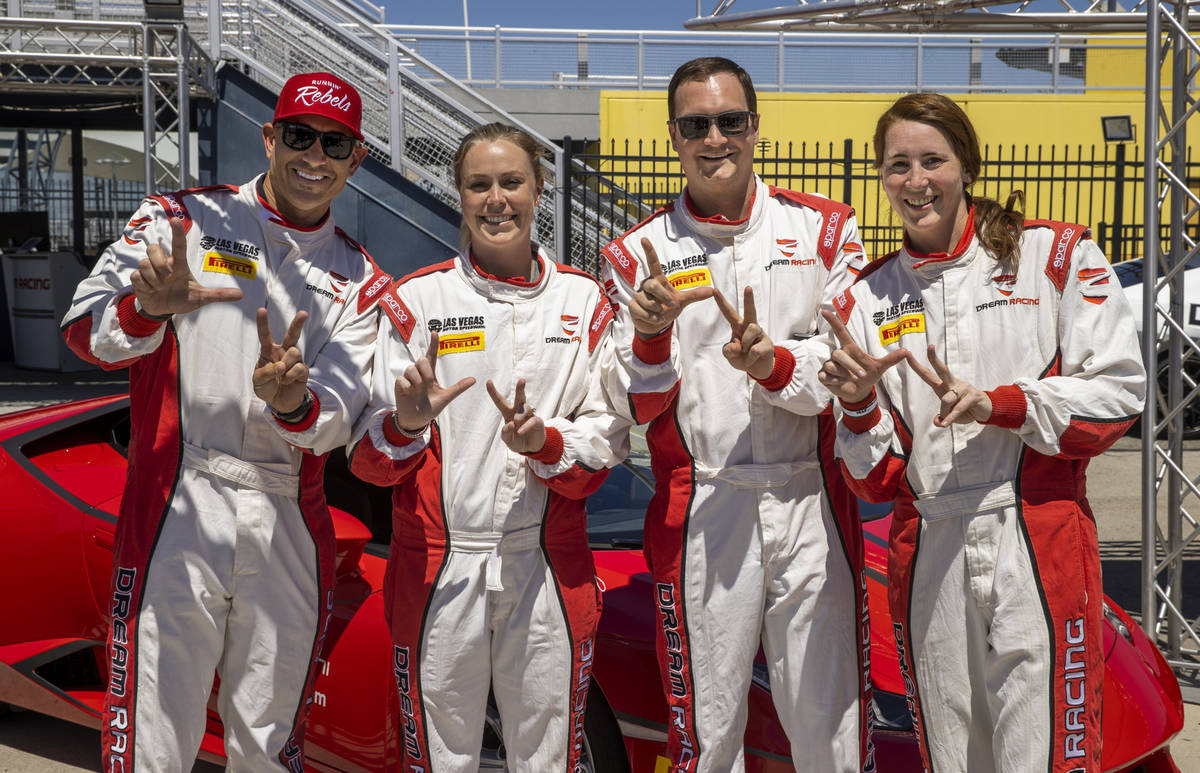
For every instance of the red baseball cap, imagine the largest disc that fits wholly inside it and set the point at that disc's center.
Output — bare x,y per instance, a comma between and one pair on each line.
323,94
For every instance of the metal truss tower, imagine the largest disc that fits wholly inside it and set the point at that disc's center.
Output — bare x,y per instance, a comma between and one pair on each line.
1169,481
80,64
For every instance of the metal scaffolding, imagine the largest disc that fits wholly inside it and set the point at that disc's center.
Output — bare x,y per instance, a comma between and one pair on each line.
1170,485
157,67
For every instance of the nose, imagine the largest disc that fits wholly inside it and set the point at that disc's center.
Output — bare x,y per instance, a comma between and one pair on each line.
917,177
495,195
714,135
315,153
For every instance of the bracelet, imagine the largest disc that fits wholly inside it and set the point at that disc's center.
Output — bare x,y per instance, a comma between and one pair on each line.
137,305
412,435
294,416
858,413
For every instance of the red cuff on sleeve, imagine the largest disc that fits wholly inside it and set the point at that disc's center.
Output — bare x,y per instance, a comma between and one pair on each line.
653,351
393,435
781,375
1008,406
860,424
307,420
133,322
552,451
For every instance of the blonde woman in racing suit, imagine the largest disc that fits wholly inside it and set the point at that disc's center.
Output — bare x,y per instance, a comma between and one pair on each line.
490,579
981,366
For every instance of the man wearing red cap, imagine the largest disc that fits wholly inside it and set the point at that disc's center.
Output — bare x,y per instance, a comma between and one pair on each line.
224,549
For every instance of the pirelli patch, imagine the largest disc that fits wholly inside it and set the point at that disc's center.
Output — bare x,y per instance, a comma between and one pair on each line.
909,323
694,277
456,343
222,263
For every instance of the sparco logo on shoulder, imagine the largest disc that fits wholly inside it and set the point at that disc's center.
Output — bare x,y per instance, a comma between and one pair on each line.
831,229
618,254
311,95
1060,251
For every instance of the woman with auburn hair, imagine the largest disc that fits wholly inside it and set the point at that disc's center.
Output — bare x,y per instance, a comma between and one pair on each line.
979,368
490,581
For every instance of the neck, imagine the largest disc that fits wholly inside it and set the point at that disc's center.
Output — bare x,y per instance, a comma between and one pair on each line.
731,202
515,261
293,215
947,241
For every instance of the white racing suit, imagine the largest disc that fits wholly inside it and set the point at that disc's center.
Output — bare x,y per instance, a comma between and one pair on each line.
490,579
993,563
224,547
752,533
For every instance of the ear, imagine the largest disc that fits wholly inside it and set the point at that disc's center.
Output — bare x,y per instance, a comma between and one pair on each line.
675,139
268,136
356,158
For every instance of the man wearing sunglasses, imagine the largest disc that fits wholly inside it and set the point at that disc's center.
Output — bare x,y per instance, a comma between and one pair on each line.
752,535
225,548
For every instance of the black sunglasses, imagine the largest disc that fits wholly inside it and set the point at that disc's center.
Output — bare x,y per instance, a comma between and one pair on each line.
732,124
336,145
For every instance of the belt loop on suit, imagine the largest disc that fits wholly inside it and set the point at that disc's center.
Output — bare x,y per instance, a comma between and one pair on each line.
244,473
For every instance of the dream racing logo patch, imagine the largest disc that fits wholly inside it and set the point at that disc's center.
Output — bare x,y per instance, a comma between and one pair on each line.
1093,277
569,324
221,263
337,284
1004,284
787,249
909,323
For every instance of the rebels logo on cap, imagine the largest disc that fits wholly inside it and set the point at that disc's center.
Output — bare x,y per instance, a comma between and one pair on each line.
323,94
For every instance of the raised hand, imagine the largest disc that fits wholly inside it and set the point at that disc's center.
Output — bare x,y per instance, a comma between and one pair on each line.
850,373
164,284
523,430
960,402
749,347
657,303
280,376
419,396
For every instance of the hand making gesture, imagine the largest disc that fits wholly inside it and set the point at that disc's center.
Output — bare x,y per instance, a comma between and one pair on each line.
164,284
280,376
419,396
657,303
850,373
961,403
523,430
749,347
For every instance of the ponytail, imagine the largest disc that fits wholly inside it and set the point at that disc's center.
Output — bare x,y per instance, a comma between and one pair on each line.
999,228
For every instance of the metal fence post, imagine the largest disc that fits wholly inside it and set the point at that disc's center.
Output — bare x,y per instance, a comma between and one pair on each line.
920,61
562,174
779,64
1056,52
497,57
847,164
395,107
214,29
1118,220
641,59
183,106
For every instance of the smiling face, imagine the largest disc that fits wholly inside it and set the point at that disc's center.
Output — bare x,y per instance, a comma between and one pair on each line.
924,181
499,191
301,184
719,169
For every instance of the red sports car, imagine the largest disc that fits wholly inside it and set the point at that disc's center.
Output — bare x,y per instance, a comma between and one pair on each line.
64,467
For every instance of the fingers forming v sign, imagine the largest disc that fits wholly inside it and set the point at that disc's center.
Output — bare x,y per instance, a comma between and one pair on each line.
523,430
419,396
281,376
960,402
749,347
657,303
164,284
850,373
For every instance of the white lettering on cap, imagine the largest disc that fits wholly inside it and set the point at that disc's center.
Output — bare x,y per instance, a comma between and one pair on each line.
311,95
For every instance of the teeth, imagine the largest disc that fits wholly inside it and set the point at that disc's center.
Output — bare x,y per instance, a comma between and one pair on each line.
920,202
498,219
309,176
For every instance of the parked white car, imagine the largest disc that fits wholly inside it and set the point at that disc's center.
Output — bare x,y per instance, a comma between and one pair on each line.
1129,274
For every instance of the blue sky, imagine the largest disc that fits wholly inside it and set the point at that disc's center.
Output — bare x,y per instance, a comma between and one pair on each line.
562,14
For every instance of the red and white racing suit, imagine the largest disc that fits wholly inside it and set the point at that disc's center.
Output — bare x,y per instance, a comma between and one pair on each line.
490,579
752,534
224,547
993,563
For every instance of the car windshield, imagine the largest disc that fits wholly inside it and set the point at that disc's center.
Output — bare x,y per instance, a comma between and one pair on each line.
1129,272
617,509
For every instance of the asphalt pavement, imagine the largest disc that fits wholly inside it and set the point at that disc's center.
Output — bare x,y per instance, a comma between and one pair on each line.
31,743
